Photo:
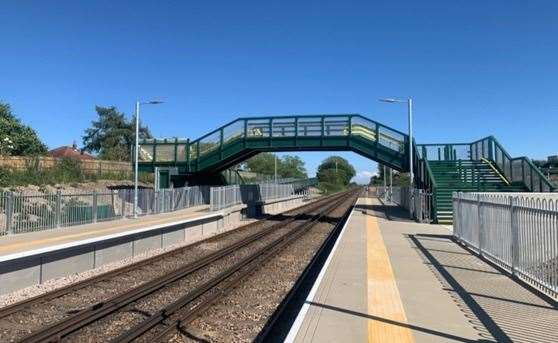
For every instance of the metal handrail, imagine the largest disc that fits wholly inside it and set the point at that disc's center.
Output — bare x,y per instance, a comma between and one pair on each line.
271,118
491,165
268,127
532,167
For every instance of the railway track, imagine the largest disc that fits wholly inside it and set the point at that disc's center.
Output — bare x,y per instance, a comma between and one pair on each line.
239,260
168,320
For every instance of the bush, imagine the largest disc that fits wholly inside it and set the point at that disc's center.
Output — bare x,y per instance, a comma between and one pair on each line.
67,170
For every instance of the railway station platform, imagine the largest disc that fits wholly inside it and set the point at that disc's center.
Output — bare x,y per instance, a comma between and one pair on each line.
28,259
389,279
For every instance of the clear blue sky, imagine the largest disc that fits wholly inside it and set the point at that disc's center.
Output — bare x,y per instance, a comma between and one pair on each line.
474,68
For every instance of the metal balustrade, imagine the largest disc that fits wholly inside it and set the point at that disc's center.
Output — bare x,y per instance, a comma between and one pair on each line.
28,212
224,197
228,196
519,169
518,232
421,206
276,133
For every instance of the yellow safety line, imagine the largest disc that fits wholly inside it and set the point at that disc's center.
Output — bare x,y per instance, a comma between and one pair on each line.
384,300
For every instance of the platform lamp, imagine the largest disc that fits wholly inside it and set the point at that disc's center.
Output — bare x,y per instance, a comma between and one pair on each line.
138,104
409,102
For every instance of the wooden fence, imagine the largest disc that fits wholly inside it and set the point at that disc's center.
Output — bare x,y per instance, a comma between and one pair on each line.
44,162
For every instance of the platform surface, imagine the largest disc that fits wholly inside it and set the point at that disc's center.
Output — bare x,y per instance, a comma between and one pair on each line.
393,280
19,245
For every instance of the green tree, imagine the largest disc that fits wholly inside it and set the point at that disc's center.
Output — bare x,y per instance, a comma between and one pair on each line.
330,181
112,135
262,163
335,174
16,138
292,166
288,166
344,171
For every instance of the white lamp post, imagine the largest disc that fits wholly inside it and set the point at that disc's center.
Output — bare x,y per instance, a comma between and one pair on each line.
409,102
138,103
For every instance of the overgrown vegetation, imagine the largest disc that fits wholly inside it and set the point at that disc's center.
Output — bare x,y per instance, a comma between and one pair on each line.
335,174
66,170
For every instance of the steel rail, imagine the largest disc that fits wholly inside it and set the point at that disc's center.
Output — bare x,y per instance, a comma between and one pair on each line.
24,304
317,261
249,264
102,309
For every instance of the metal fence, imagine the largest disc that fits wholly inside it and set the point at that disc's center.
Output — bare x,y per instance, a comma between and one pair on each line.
227,196
28,212
518,232
421,206
223,197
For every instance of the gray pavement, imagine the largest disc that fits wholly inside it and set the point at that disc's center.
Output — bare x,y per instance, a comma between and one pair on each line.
448,294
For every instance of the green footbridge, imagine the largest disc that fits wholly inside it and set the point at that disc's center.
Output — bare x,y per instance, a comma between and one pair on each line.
441,169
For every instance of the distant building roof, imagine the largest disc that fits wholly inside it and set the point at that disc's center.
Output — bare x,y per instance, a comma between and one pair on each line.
70,151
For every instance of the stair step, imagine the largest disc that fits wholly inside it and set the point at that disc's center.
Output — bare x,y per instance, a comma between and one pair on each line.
464,176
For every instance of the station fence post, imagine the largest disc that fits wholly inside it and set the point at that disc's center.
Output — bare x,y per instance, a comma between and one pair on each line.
58,213
95,207
123,204
9,212
514,235
480,223
211,200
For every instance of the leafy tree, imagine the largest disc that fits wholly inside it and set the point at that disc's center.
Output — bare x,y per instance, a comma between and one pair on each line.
292,166
335,174
262,163
343,169
112,135
331,181
288,166
16,138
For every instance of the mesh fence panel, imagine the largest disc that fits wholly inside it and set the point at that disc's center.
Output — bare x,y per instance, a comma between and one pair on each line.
28,212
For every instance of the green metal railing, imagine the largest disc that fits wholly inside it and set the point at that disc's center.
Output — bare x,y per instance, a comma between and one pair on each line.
272,133
424,177
445,152
519,169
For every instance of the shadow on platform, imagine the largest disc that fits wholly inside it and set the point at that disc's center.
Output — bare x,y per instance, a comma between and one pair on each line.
389,212
499,307
396,323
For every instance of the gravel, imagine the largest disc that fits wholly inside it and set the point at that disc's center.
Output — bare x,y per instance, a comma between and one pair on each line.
241,314
53,284
42,314
113,325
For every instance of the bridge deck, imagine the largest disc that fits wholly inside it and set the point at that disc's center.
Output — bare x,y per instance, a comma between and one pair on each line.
392,280
245,137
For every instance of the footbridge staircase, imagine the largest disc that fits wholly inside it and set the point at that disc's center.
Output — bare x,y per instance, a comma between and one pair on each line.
481,166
